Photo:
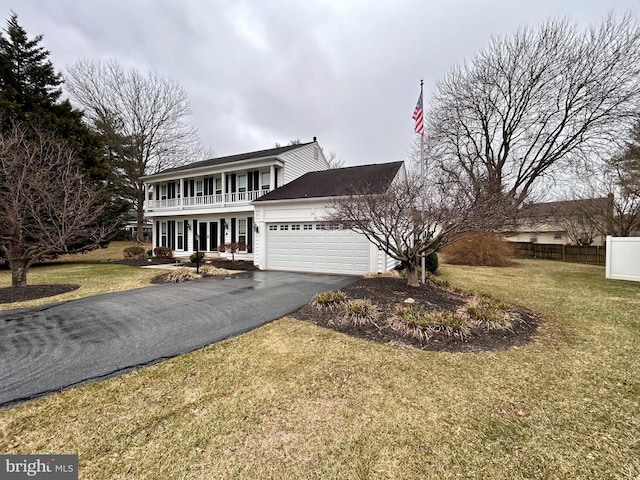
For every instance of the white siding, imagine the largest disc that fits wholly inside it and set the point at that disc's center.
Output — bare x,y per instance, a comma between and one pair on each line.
310,211
623,258
303,160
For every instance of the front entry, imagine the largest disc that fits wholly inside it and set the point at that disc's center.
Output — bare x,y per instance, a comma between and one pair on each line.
202,233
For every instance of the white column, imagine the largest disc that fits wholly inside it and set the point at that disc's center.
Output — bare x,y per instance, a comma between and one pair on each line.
145,187
223,180
181,199
272,177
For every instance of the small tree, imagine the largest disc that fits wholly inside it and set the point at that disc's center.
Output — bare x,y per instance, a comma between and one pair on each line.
232,248
48,206
412,218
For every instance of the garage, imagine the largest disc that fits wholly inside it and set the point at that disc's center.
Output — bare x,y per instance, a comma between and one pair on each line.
316,247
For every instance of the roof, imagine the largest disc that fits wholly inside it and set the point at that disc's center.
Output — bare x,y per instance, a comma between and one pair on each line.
270,152
337,182
566,207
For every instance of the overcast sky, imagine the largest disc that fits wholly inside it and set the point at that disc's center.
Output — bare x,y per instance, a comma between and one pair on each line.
261,71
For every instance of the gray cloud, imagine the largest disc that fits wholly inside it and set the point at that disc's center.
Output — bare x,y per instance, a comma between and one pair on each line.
264,71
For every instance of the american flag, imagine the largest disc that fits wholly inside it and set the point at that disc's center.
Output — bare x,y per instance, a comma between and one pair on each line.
418,116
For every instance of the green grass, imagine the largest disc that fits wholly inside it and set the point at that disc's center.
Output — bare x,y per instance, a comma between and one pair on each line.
293,400
85,270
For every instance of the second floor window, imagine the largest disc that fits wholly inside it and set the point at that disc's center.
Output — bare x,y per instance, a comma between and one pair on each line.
265,181
218,186
242,183
199,188
163,192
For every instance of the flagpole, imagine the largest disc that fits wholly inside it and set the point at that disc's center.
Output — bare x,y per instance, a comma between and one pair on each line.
422,165
423,175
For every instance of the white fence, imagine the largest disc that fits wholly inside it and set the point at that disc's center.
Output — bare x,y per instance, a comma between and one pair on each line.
623,258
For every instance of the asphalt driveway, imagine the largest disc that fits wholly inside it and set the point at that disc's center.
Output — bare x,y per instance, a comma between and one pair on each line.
48,348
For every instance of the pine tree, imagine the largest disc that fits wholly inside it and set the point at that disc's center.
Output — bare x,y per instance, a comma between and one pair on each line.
30,93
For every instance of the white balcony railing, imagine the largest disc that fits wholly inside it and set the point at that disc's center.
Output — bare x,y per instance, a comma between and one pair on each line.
217,200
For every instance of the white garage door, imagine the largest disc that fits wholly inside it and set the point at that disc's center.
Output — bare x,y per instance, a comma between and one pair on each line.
316,247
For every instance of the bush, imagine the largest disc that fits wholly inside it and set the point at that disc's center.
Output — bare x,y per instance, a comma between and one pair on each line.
194,256
421,323
182,275
329,299
490,313
211,271
163,252
431,262
360,312
480,249
149,253
135,251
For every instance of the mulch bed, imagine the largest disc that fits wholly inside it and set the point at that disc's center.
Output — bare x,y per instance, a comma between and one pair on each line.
227,264
386,293
33,292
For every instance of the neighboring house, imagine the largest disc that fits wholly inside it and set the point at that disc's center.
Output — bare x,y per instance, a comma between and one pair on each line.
293,234
570,222
205,204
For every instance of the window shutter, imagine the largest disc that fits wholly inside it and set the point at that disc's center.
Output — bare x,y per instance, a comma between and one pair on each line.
222,231
195,233
233,229
249,234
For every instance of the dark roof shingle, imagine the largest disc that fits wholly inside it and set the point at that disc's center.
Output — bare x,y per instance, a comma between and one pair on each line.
270,152
336,182
564,207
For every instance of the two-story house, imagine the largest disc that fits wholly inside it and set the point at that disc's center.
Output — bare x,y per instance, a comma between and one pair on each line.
273,201
205,204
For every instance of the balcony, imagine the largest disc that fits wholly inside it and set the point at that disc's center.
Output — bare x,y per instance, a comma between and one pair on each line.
217,200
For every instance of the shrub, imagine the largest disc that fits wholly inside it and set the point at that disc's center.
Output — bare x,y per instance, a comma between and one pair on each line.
135,251
149,253
194,256
490,313
211,271
329,299
431,262
163,252
490,250
421,323
183,274
360,312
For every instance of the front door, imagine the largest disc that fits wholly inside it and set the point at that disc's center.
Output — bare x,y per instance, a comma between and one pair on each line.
202,233
213,236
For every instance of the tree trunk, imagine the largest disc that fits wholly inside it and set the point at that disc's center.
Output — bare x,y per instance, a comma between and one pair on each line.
18,272
412,276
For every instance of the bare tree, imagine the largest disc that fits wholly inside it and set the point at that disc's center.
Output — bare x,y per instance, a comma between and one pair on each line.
411,219
584,218
141,116
334,161
48,207
533,103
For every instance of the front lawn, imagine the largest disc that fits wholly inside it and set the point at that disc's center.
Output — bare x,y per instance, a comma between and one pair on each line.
295,400
87,270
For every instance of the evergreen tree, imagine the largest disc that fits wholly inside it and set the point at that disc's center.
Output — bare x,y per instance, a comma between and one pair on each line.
30,94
